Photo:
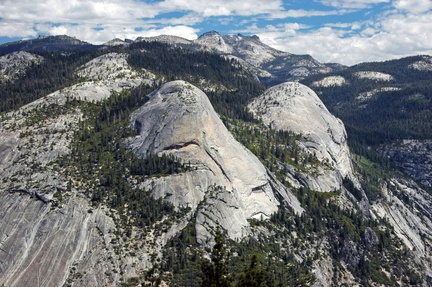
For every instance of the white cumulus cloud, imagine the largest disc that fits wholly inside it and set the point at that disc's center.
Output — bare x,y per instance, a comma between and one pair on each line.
403,28
352,3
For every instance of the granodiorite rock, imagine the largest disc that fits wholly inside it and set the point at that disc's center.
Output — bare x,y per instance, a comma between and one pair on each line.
227,183
42,245
45,241
370,94
294,107
270,64
423,65
214,41
406,207
373,75
110,67
14,64
331,81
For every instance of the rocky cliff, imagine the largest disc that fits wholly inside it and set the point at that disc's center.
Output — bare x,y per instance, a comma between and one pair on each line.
51,235
294,107
227,184
406,207
414,157
82,218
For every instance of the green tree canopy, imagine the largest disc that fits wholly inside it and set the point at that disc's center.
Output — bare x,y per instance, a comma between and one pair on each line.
215,270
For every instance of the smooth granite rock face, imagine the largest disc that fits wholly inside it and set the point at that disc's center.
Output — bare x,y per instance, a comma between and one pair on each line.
41,244
45,241
295,107
227,184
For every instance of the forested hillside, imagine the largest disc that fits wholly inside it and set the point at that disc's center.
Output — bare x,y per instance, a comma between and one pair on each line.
69,158
376,111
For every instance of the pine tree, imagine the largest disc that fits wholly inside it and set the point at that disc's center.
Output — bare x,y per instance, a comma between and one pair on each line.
254,275
215,270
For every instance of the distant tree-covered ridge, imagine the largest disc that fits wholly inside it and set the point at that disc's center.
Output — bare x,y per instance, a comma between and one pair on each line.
376,111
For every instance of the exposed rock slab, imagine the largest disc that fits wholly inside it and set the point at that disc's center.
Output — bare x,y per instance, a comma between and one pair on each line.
331,81
373,75
16,63
213,41
407,208
423,65
227,184
42,245
294,107
100,78
367,95
49,242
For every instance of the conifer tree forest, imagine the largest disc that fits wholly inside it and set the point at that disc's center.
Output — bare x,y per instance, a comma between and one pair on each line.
104,166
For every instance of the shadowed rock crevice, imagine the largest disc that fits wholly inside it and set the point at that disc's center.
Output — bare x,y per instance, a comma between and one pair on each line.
181,145
37,195
218,165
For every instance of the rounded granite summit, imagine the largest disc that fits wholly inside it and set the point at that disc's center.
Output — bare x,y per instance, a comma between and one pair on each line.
294,107
226,184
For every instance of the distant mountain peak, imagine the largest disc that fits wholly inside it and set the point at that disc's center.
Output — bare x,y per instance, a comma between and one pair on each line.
115,42
47,43
209,33
270,65
62,38
167,39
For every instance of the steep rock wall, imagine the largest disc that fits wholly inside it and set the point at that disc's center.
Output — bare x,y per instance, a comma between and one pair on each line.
295,107
227,184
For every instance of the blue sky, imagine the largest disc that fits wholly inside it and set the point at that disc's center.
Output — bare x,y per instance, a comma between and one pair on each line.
343,31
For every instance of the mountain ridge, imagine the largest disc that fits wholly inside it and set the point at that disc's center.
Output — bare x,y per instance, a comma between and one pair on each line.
66,170
191,131
279,66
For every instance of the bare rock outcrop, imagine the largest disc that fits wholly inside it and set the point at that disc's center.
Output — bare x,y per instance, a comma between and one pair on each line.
226,183
406,207
50,234
16,63
413,157
295,107
213,41
41,244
